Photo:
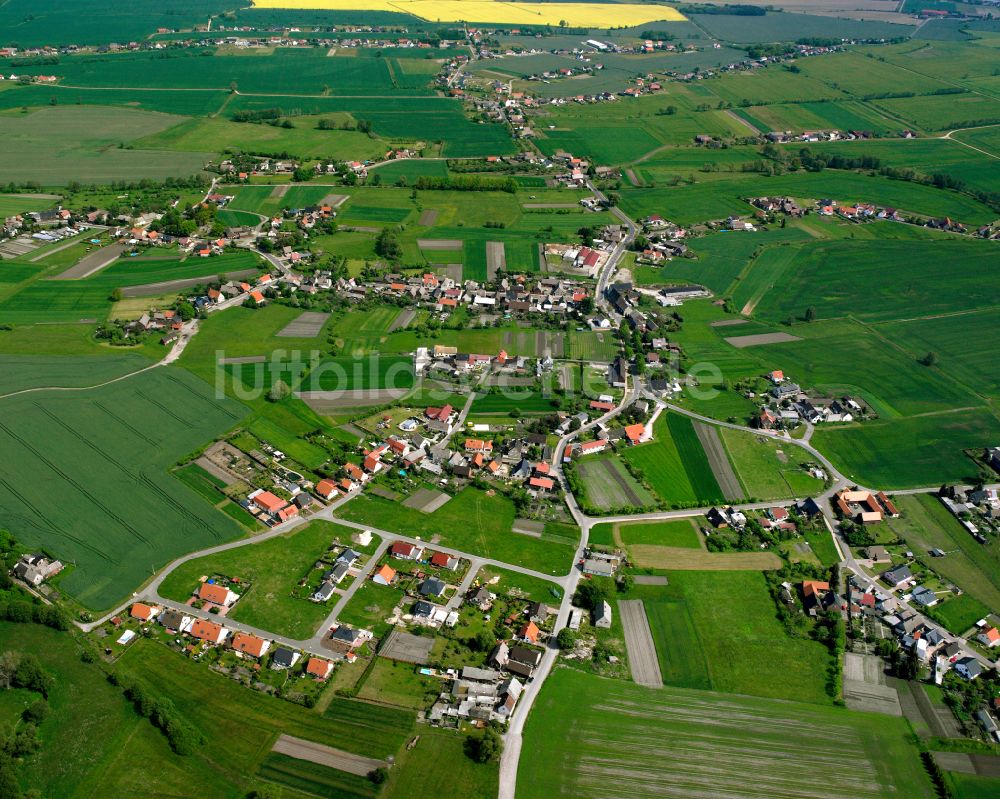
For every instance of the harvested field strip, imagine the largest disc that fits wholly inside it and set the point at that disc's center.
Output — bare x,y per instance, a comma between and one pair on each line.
322,755
761,338
647,556
402,320
496,258
439,244
639,642
92,262
428,218
308,324
311,779
708,435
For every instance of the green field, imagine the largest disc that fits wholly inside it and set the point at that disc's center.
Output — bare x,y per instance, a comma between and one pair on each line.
59,144
676,742
744,650
608,485
119,515
273,568
676,533
472,522
674,463
909,453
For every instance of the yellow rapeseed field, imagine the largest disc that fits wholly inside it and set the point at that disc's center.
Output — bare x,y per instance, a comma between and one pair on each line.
579,15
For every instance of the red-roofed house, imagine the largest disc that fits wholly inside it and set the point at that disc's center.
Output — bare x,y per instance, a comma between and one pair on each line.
597,405
444,561
634,433
250,645
385,575
268,502
529,632
326,489
541,483
319,668
477,445
143,612
209,631
406,551
990,637
217,594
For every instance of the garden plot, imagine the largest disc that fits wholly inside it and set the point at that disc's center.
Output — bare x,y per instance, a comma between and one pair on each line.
308,324
496,258
609,485
407,648
865,686
426,500
93,262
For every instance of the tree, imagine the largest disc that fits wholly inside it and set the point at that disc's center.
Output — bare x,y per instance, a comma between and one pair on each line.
810,314
379,775
566,638
185,311
116,295
483,641
279,391
589,595
387,245
930,359
485,748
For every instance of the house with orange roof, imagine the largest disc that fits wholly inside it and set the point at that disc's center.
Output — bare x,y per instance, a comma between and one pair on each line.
478,445
634,432
217,594
355,472
257,297
990,637
319,668
541,483
144,612
385,575
326,489
205,630
529,633
250,645
288,512
267,502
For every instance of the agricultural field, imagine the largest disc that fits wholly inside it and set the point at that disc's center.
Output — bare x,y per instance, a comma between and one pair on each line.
674,463
672,741
674,533
574,14
60,144
109,448
607,484
273,569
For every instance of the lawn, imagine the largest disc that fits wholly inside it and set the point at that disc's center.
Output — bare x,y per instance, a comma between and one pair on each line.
675,742
674,463
370,606
975,568
522,586
674,533
109,449
473,521
437,768
273,568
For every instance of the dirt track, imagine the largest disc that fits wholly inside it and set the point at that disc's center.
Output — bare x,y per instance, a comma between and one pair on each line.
326,755
639,642
719,461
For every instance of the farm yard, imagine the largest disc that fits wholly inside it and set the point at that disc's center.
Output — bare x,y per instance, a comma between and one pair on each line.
109,448
629,741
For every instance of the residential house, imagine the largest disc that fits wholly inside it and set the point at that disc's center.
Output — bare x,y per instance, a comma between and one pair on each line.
284,658
602,615
217,594
208,631
898,576
251,645
968,667
442,560
143,612
406,551
385,575
989,637
319,668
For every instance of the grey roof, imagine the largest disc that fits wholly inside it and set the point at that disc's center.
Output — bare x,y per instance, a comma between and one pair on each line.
344,633
324,592
422,608
432,586
283,657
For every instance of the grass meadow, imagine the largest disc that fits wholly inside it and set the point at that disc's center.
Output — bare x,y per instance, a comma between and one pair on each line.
624,740
472,521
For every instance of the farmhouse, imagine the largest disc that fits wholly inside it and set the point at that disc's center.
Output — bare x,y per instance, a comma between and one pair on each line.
36,569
